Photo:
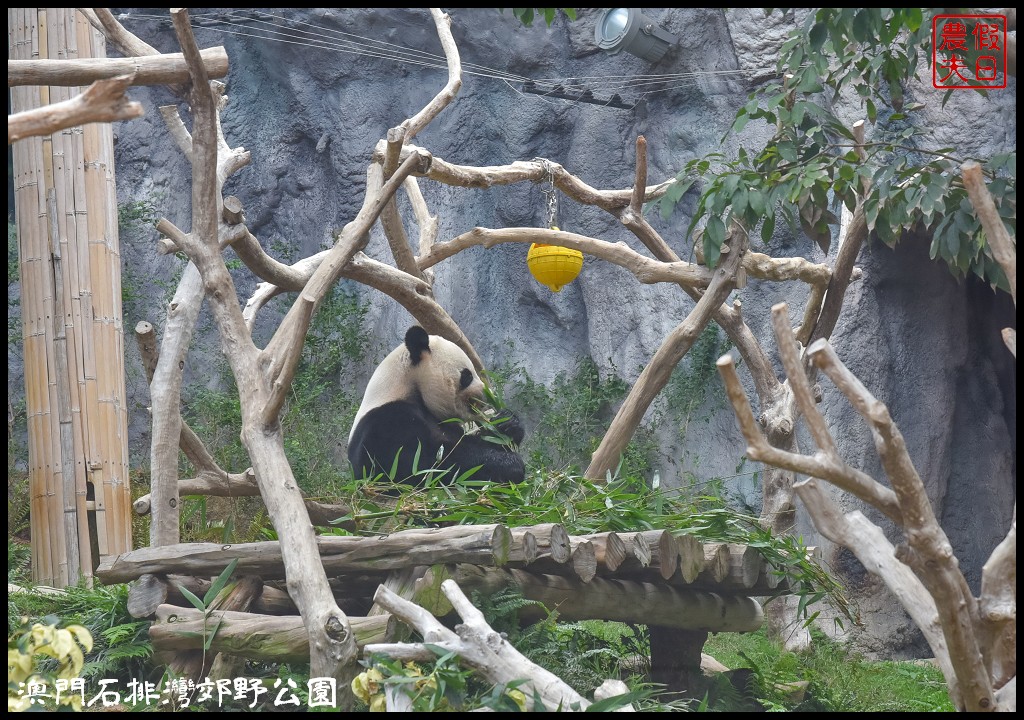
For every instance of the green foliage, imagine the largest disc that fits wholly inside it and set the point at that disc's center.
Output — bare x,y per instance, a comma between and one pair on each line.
17,493
584,507
839,681
569,418
19,555
136,214
695,381
525,15
122,648
441,686
13,270
810,166
219,520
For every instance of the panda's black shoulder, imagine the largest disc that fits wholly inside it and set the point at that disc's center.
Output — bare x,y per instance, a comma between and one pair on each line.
394,418
400,426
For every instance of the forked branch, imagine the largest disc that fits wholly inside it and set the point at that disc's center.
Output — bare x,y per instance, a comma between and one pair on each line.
975,666
476,643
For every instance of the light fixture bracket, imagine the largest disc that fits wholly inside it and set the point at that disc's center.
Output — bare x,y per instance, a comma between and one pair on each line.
629,29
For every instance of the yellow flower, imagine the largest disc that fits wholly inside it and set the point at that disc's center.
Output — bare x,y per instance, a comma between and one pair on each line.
367,684
19,703
62,643
83,636
42,634
19,665
379,703
428,682
518,698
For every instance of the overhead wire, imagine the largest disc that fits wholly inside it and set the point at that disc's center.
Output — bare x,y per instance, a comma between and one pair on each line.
369,47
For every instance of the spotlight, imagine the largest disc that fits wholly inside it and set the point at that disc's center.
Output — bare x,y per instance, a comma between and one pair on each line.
630,30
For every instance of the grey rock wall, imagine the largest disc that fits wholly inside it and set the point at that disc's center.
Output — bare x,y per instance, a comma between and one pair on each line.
310,111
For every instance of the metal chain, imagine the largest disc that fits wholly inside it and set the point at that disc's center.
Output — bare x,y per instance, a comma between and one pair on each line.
550,192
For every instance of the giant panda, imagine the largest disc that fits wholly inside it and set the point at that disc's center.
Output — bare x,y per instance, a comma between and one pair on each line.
407,410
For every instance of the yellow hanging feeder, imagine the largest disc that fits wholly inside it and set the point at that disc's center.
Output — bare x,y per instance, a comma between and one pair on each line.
553,265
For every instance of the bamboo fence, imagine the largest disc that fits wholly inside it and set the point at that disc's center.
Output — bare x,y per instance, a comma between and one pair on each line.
66,214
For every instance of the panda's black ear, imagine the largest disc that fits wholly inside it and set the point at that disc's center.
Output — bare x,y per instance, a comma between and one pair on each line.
418,342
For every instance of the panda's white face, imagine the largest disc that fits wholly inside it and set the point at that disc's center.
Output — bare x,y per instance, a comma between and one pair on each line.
429,368
446,381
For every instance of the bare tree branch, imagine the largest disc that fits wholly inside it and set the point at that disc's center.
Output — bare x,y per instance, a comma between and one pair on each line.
420,120
849,249
163,69
332,645
645,269
818,465
975,657
998,607
657,372
869,544
281,356
390,219
476,643
103,101
519,171
1003,247
640,183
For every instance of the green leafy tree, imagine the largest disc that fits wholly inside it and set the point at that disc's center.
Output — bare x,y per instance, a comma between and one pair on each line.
526,15
813,162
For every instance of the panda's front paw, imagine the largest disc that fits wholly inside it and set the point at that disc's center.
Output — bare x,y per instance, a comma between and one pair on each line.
507,423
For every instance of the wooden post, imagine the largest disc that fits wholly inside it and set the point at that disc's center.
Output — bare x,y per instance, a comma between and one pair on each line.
66,211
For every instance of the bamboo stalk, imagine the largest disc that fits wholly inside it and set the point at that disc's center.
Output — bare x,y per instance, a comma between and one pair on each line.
53,294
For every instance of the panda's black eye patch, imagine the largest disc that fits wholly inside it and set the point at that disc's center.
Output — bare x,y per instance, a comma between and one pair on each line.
465,379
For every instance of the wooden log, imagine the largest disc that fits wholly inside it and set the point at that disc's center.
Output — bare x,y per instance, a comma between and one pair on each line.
745,565
584,559
232,210
638,554
554,551
716,563
664,552
610,551
402,583
620,600
146,594
162,69
226,667
769,577
237,597
271,601
484,545
772,581
220,484
552,542
257,637
676,658
691,557
429,594
523,550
